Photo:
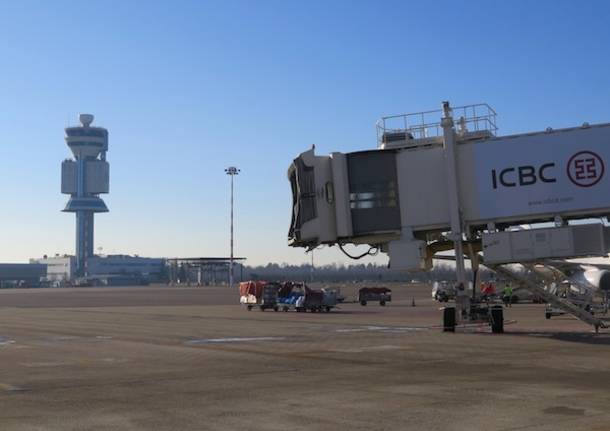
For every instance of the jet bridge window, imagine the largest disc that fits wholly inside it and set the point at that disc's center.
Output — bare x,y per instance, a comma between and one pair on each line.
373,188
307,192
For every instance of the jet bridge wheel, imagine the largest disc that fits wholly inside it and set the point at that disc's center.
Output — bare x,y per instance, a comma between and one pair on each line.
449,319
497,319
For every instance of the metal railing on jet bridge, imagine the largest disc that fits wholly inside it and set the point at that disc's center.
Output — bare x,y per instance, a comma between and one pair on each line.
421,125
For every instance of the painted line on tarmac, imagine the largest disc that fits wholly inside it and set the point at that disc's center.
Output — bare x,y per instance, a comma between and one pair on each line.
231,340
385,329
11,388
87,339
380,348
75,363
48,364
5,341
364,329
62,338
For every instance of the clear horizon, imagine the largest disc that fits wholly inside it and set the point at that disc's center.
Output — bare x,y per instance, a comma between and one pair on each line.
189,88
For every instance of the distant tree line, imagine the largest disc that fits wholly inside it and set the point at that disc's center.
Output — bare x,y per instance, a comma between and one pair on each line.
355,272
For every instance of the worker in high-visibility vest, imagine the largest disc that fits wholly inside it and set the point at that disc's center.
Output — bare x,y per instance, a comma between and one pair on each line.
508,295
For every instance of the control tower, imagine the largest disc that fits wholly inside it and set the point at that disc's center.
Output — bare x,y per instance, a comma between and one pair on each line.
84,178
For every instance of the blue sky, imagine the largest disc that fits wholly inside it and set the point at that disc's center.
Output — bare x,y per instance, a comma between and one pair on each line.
189,88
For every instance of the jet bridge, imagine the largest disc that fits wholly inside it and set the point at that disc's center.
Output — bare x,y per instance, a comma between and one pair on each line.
434,183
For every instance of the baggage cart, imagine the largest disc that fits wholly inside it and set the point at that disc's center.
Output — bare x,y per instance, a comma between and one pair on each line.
300,297
259,294
381,294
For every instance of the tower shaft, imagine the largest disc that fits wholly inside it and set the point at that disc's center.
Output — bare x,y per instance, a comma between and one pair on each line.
84,240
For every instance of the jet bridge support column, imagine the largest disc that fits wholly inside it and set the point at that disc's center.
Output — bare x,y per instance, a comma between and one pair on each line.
447,124
474,262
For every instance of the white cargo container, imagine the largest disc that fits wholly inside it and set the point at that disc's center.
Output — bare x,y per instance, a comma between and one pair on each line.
538,244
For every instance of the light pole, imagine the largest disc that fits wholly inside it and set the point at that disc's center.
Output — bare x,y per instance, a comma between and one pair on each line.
232,171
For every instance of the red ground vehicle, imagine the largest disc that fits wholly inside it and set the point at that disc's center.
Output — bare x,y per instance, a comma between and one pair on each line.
381,294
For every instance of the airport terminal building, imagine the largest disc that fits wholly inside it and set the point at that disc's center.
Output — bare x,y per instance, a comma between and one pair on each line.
21,274
106,270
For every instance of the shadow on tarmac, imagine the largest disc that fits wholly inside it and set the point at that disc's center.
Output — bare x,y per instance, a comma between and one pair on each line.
601,339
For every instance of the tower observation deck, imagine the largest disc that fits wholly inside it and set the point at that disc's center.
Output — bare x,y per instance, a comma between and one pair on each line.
84,178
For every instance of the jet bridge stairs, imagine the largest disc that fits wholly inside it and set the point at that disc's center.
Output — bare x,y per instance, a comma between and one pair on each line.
534,279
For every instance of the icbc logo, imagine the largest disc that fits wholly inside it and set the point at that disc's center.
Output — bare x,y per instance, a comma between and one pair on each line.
585,169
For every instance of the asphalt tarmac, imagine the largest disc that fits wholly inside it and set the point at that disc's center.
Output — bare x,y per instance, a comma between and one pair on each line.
167,358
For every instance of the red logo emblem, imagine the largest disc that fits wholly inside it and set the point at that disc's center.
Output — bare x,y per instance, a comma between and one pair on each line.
585,168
